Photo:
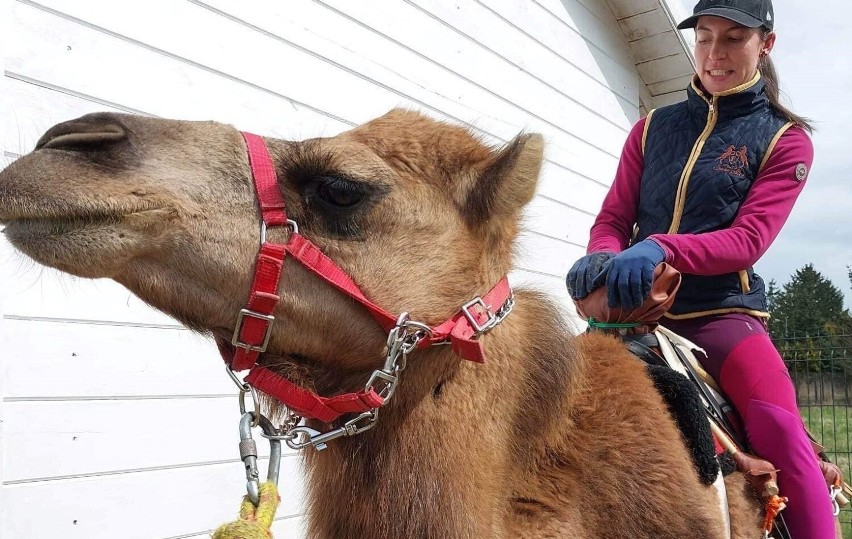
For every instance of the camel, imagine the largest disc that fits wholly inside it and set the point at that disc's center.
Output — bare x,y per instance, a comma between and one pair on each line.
554,435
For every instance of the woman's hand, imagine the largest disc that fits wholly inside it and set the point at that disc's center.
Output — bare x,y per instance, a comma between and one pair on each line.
629,274
581,278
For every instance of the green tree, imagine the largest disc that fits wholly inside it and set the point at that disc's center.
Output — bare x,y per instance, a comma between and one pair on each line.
772,293
804,305
849,269
808,323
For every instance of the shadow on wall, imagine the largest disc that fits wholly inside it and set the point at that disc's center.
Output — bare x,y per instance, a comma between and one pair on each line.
636,38
604,40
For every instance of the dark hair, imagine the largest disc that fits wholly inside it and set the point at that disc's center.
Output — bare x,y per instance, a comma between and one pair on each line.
773,91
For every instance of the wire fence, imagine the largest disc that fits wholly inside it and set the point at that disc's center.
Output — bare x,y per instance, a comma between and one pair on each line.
821,368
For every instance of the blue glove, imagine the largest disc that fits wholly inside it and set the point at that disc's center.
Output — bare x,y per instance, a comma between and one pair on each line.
581,278
630,273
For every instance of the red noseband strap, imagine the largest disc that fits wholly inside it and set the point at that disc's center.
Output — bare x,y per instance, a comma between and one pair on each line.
254,323
308,404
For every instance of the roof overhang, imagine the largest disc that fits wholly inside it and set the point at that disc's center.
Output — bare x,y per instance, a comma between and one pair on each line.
663,55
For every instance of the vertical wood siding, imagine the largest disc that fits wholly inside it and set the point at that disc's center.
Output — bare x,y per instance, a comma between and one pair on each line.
117,421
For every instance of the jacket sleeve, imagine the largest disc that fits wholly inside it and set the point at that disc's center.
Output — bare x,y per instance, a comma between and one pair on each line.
613,226
759,220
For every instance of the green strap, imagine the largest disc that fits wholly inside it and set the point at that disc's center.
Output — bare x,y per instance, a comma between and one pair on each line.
611,325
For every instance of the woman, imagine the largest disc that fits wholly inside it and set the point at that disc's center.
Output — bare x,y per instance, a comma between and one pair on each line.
706,185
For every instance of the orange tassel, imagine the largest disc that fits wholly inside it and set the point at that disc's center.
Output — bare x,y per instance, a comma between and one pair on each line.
774,505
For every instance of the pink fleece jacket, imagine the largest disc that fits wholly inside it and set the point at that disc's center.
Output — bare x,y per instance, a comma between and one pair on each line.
759,220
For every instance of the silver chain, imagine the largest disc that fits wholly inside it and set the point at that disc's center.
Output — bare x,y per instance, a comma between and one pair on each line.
291,420
402,339
504,309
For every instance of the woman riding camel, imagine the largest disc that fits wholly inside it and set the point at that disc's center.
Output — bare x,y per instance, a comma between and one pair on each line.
706,185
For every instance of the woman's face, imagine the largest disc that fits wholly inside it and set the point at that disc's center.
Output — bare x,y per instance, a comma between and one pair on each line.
726,53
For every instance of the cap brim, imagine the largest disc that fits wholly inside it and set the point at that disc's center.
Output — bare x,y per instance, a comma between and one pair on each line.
727,13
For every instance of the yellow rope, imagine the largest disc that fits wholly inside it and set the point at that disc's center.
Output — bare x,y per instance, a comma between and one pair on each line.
254,522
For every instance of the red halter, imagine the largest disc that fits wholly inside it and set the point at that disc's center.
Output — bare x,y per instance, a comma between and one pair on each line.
254,323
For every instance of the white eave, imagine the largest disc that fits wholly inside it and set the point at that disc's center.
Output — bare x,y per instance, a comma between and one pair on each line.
663,54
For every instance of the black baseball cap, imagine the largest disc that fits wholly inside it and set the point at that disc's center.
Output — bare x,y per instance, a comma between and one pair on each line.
750,13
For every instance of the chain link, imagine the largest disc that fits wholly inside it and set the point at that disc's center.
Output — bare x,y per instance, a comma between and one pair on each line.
245,388
290,421
505,309
302,437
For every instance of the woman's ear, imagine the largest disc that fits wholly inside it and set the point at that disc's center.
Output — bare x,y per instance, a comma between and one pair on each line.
767,44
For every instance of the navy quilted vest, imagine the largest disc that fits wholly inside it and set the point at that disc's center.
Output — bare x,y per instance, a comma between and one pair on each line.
701,157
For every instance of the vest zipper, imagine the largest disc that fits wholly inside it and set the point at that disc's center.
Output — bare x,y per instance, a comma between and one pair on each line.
680,198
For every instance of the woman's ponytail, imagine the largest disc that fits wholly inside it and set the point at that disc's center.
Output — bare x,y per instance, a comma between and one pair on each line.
772,88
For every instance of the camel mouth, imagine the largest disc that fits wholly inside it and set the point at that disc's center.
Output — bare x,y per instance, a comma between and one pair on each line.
17,214
91,245
58,224
22,228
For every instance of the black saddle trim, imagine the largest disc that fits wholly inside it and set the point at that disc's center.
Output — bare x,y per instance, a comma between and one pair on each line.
684,404
642,346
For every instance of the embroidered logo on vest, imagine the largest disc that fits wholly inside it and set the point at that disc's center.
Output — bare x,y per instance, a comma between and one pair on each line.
801,171
733,161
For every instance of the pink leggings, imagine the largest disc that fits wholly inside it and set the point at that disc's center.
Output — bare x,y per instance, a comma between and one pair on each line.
745,363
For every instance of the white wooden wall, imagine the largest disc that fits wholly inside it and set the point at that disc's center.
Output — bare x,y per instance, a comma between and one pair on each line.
118,422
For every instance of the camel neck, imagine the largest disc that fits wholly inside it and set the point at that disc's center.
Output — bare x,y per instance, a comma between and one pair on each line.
449,443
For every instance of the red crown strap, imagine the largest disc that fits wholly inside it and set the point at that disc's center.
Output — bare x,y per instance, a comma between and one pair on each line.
265,181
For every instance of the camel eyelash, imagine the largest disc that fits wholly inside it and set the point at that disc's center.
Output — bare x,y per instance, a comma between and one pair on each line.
307,162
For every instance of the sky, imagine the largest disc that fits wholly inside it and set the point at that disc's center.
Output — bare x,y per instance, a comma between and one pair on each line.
813,57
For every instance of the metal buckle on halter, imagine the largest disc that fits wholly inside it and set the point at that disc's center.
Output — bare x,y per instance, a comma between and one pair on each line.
291,224
389,380
235,340
485,326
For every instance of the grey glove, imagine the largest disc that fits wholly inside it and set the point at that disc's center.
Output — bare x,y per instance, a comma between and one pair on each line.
581,277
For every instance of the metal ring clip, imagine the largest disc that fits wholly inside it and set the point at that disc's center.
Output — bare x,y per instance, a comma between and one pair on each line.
248,454
833,492
245,388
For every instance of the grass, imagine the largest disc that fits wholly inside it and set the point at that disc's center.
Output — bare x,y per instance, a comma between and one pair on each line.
830,426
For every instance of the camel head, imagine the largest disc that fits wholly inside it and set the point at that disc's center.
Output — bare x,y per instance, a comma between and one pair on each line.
419,213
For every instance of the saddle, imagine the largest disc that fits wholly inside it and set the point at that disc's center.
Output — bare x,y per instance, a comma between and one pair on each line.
659,347
711,427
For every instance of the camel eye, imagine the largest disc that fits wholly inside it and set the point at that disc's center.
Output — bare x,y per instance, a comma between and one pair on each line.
339,193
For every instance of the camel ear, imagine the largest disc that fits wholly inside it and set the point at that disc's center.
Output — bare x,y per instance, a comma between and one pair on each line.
506,182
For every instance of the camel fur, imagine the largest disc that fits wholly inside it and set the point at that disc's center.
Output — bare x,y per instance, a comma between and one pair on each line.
556,435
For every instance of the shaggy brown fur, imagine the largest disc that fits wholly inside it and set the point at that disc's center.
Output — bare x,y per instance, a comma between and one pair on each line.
555,436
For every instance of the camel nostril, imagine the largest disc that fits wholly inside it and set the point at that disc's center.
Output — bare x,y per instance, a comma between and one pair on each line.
92,132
